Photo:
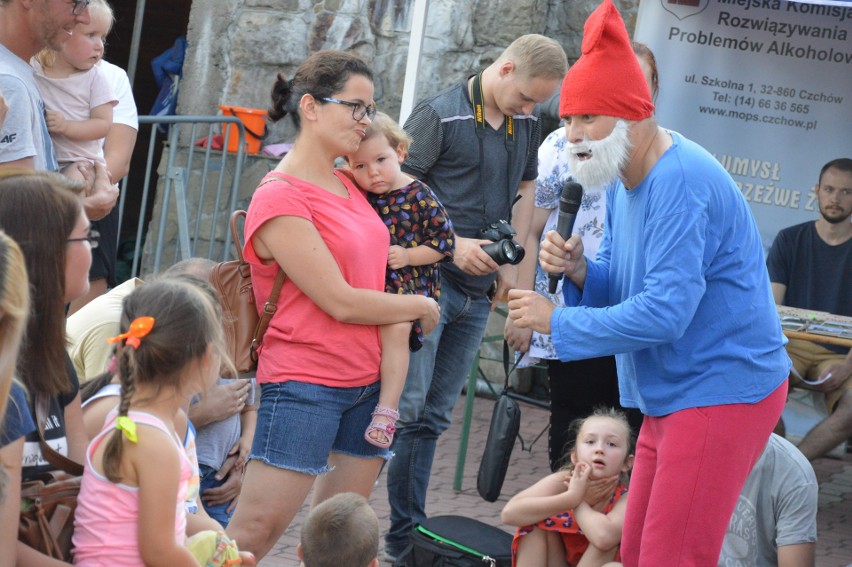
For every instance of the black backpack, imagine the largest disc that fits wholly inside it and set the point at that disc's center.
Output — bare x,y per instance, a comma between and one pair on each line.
456,541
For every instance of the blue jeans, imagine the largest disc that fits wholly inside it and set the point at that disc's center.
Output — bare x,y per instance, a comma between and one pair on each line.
299,424
435,378
208,480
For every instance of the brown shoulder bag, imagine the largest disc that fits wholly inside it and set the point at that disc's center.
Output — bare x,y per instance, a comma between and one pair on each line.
244,328
48,502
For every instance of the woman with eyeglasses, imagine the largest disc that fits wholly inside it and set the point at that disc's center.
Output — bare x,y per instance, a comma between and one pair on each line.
43,213
319,361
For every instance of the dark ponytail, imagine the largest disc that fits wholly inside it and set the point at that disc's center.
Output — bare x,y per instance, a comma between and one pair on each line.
322,75
282,91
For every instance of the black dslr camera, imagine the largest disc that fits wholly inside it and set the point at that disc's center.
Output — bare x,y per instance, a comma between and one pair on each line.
503,249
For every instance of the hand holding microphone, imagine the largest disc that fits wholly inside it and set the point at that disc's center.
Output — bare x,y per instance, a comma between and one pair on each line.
569,204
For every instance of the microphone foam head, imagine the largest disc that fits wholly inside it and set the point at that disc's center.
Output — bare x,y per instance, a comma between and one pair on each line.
572,196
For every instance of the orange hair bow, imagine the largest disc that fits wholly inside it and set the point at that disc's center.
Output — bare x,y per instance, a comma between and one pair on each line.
140,327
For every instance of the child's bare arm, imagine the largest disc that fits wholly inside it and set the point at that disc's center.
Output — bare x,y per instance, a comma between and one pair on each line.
157,466
594,557
551,495
602,530
248,421
233,468
600,489
201,521
95,128
399,257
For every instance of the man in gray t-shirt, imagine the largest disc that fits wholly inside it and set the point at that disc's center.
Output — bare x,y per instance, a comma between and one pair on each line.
774,522
24,140
26,28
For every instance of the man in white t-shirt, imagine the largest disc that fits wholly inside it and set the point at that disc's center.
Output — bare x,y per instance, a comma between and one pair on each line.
125,122
118,149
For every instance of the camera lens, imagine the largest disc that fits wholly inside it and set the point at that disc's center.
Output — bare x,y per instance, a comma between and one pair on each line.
505,252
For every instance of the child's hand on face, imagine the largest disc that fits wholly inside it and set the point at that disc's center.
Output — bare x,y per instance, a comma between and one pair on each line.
56,123
599,489
397,257
581,471
579,478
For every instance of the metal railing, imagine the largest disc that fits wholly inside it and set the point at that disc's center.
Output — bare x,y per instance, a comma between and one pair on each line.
185,170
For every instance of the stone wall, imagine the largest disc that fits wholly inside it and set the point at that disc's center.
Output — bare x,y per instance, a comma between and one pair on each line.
236,47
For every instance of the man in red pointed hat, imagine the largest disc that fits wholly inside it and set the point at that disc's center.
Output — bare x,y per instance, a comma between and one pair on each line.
678,291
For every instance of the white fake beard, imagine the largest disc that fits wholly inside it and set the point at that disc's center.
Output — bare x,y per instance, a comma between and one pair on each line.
608,157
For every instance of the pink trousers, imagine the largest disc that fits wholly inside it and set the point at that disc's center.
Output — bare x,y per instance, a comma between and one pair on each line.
690,468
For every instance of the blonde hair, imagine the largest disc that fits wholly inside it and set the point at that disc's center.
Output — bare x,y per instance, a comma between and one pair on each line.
342,530
384,125
536,56
47,56
102,7
14,311
605,412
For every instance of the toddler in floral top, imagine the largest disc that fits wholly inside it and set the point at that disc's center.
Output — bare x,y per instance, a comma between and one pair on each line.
421,237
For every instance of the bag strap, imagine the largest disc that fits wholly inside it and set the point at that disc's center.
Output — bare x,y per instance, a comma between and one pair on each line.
269,309
271,305
56,459
235,234
507,368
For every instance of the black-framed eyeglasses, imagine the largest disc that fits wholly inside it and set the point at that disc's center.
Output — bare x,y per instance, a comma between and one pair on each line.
92,238
77,6
359,111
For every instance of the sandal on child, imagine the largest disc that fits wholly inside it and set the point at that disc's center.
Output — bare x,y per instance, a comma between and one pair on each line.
382,428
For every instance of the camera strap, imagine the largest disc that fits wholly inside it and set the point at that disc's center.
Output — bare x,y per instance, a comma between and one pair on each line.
477,100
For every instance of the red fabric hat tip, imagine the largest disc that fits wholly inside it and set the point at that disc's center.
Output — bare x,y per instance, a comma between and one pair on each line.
607,78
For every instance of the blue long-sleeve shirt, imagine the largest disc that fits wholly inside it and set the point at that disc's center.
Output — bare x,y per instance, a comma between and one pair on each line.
679,292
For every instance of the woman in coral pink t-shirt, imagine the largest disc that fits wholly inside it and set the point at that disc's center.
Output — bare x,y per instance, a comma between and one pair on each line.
319,362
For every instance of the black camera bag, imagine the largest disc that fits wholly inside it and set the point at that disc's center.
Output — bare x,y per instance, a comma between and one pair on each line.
456,541
505,424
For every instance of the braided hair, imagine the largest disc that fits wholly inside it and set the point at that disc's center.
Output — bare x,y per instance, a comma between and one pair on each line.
187,321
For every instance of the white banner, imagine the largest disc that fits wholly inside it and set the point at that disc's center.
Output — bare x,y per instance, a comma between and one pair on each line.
764,85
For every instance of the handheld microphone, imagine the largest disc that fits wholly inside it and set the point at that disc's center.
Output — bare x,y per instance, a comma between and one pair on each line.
569,204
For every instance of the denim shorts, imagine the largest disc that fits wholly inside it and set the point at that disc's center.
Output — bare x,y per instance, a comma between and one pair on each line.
300,424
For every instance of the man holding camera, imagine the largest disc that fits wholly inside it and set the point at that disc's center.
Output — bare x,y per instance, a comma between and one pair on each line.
475,145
